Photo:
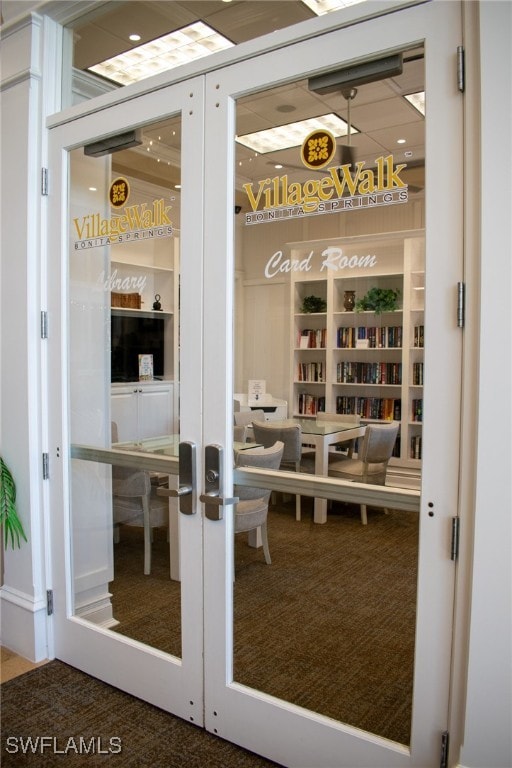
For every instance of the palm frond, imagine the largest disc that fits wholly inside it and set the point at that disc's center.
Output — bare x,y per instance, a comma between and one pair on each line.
9,520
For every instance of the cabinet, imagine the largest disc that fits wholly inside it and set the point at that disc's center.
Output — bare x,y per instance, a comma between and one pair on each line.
360,362
143,409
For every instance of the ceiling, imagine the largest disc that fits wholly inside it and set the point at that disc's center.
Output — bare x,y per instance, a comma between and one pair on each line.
379,112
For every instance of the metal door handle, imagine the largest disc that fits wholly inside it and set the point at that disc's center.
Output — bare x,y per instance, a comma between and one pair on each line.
187,480
211,497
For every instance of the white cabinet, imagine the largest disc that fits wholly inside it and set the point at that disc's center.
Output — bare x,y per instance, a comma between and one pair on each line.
143,409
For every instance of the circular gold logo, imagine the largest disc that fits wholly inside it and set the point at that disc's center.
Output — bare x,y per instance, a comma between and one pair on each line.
318,149
119,192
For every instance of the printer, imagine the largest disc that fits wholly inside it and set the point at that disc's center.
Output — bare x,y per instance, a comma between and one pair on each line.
274,408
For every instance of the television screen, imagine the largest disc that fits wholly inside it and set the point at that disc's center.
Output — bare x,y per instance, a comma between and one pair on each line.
133,336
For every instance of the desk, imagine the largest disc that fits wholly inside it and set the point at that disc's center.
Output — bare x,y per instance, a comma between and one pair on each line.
322,434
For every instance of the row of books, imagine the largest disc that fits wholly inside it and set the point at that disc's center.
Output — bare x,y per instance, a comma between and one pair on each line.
415,452
377,338
314,372
309,405
417,409
419,335
312,339
349,372
417,374
382,408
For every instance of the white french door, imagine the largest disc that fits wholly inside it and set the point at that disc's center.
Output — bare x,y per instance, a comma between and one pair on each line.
196,679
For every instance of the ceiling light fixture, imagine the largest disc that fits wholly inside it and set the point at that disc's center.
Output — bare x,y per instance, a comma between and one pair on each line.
320,7
417,100
134,38
172,50
292,134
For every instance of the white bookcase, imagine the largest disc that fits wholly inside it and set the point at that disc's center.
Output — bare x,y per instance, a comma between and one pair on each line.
360,362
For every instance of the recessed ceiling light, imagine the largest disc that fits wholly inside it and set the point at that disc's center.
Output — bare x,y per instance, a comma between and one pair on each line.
293,134
326,6
93,189
134,38
400,141
278,166
418,101
164,53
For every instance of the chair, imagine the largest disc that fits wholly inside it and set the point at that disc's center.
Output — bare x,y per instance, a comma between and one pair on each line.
267,435
135,502
245,418
239,433
347,445
252,509
372,462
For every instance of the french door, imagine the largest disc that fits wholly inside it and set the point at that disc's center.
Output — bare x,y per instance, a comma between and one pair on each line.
145,244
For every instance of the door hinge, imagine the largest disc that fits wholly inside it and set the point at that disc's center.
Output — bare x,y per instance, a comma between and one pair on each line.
461,68
445,743
454,550
44,181
461,305
44,324
46,466
49,602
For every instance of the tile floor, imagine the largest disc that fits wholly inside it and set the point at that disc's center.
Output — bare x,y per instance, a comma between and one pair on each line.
12,665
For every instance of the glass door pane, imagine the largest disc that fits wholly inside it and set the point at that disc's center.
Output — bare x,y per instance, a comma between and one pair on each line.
330,329
124,371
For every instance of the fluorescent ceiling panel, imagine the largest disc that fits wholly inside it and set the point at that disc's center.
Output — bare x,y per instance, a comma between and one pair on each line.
164,53
326,6
418,101
293,134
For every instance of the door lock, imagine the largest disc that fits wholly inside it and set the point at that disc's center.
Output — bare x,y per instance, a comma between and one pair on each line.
186,481
211,497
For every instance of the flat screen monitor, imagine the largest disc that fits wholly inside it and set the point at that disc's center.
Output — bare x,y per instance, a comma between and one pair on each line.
132,336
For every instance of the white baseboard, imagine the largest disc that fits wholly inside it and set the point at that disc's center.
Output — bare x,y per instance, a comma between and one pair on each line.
24,624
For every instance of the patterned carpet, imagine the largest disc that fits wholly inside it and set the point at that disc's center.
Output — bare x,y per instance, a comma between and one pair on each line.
329,626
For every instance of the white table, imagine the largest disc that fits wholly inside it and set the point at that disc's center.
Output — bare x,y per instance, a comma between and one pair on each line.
321,435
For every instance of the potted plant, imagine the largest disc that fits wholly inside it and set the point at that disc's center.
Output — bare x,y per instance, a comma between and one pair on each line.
378,300
9,520
313,304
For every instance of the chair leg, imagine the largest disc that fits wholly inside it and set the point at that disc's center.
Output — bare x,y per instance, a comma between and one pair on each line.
364,518
264,541
297,507
117,535
147,536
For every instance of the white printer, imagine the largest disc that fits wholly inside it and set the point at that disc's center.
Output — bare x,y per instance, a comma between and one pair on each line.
274,408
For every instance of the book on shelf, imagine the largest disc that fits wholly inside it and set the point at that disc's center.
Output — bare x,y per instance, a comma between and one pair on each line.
313,372
349,372
387,337
312,339
419,335
310,405
417,409
416,447
375,408
417,374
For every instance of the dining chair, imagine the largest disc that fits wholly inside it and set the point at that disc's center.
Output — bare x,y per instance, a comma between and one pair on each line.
372,462
135,502
347,446
239,433
291,436
251,510
245,418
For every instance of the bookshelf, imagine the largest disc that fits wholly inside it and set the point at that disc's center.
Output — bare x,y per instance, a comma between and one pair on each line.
361,362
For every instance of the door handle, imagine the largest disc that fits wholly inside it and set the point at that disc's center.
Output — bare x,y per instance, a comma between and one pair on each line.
187,479
211,497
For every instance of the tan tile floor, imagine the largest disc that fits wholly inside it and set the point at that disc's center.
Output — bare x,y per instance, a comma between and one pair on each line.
12,665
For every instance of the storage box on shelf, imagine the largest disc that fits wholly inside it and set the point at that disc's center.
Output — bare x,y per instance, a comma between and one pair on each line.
372,362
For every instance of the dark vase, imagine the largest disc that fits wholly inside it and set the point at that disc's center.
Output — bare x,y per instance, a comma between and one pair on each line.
349,301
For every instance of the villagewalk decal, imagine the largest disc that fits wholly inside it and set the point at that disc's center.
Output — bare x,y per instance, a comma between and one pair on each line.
138,221
276,198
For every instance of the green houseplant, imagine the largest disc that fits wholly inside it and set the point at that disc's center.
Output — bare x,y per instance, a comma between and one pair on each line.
9,520
313,304
378,300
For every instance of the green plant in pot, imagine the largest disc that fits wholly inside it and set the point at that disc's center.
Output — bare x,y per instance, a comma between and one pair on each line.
379,300
313,304
9,520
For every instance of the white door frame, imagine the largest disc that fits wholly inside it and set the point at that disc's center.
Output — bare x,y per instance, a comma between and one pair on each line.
173,684
283,732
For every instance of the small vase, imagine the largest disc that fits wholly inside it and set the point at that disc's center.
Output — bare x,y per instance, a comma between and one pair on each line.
349,301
